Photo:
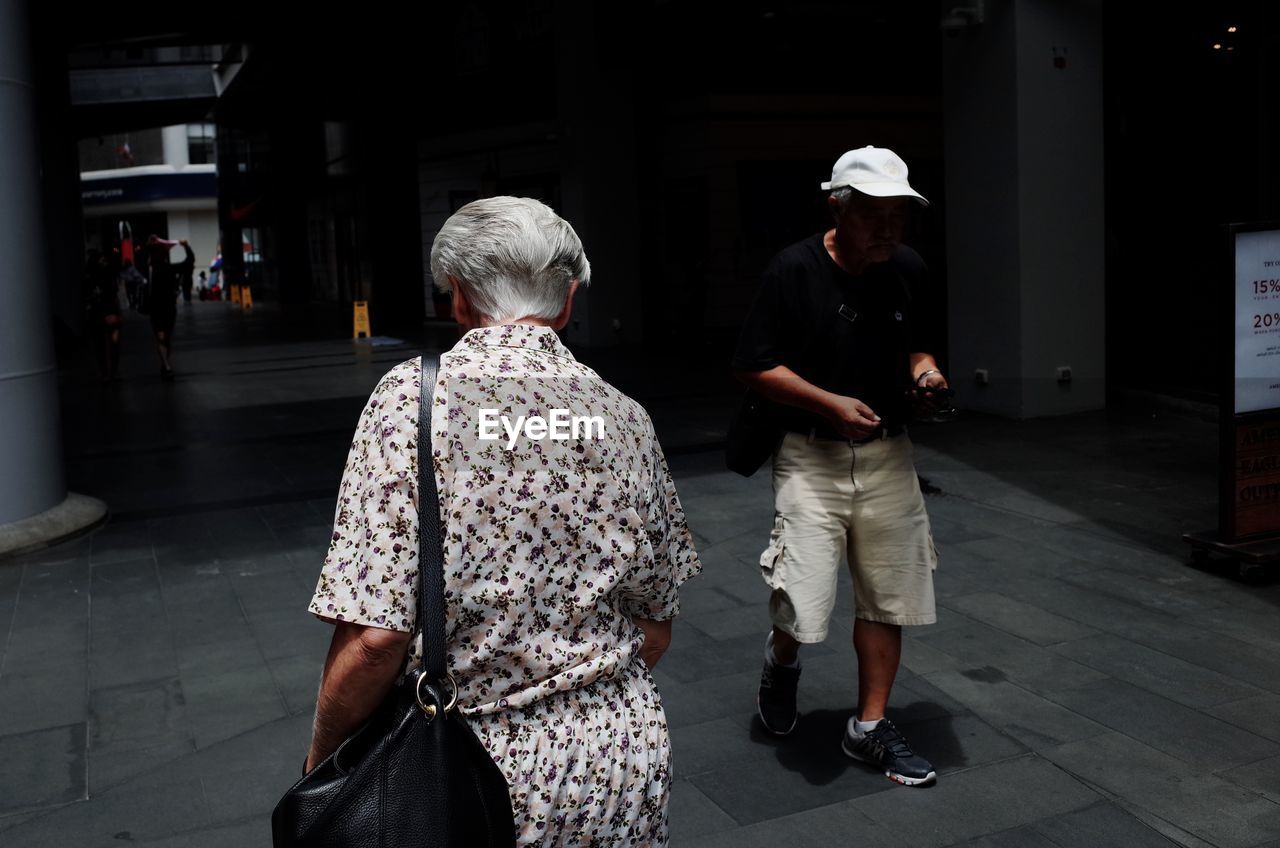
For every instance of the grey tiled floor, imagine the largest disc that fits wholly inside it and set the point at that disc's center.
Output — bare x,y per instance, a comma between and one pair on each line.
1084,685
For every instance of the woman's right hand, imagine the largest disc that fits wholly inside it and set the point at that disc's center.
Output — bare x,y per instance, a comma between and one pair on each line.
657,638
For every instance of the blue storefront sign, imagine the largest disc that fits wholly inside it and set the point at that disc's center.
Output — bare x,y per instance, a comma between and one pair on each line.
140,188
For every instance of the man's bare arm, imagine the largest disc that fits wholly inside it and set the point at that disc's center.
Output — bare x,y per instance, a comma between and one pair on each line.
849,416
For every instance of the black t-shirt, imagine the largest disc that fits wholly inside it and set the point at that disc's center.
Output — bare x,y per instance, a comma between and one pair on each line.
849,335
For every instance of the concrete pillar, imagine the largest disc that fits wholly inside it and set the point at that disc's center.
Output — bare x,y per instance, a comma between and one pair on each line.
31,473
1024,168
177,150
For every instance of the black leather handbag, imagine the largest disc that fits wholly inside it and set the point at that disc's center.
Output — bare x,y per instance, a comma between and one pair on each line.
753,435
415,774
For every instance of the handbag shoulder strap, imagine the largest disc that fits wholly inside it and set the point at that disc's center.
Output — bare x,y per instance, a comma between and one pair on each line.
431,612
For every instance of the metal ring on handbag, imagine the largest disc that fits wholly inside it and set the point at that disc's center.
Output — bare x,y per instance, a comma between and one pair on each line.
430,709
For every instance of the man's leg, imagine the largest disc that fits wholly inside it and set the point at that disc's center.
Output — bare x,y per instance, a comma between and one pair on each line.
892,559
785,649
879,650
801,565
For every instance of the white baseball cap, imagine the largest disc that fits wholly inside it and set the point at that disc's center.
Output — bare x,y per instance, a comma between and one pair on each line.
876,171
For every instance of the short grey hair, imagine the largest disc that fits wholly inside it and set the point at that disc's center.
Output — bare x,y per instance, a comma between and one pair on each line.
842,196
513,257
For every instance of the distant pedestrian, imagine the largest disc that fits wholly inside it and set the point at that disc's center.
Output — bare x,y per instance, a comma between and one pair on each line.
162,297
215,276
184,269
102,305
132,279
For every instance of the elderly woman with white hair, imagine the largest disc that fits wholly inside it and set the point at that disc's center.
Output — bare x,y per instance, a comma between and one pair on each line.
564,545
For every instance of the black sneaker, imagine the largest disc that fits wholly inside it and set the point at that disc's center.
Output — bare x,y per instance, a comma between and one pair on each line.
776,702
884,746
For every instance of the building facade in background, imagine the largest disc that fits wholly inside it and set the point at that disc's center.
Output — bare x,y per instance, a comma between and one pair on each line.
162,180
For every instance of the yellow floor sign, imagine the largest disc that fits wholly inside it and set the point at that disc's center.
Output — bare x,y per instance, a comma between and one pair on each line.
235,294
246,297
361,320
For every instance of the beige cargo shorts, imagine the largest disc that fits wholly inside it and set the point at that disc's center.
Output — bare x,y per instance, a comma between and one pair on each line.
835,500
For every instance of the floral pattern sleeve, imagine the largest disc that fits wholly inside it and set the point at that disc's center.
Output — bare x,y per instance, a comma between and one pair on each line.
653,590
371,567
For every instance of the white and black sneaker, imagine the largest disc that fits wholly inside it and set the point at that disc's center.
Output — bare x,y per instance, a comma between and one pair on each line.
776,701
884,746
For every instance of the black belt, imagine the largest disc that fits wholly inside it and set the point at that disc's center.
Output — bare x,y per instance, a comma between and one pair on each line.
828,433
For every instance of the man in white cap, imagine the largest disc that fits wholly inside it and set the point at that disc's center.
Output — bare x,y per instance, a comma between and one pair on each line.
838,338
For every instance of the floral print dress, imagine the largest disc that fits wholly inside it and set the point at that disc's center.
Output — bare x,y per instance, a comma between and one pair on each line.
552,546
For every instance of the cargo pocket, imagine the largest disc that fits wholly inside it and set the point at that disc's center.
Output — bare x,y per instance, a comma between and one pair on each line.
771,560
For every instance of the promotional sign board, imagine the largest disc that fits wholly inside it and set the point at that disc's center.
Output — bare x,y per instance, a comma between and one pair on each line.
1250,414
1257,321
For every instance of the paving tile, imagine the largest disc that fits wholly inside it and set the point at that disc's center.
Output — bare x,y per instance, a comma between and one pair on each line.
1147,593
49,696
226,704
994,798
42,767
1250,626
957,742
921,659
947,531
52,592
712,698
916,699
1036,668
1263,777
696,656
1154,671
122,542
127,716
1248,663
1192,798
822,827
60,640
1011,558
1169,727
1103,825
12,820
125,593
1034,721
119,657
1018,618
1259,715
110,768
298,680
300,633
72,550
718,744
1079,603
254,832
693,815
1019,837
235,794
697,601
10,577
273,591
737,620
133,812
282,515
807,770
